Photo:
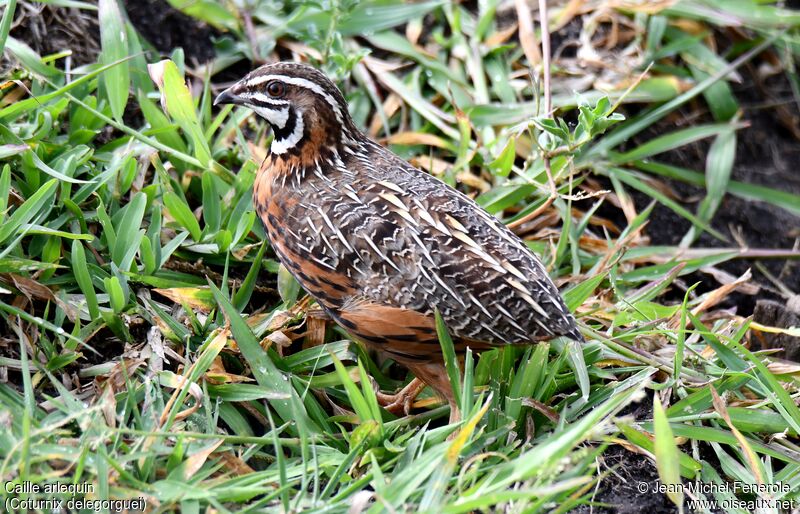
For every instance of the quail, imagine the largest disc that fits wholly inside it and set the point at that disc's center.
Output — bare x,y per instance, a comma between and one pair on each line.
381,245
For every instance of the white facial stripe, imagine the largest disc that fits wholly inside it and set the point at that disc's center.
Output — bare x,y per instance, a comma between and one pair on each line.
297,81
280,146
275,117
259,97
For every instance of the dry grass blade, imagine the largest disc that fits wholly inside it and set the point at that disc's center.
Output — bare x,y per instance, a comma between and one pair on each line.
527,34
714,297
752,459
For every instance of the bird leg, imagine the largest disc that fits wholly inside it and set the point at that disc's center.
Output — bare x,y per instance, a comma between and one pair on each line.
435,375
455,412
401,401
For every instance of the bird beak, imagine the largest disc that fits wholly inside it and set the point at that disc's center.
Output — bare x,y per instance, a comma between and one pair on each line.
228,97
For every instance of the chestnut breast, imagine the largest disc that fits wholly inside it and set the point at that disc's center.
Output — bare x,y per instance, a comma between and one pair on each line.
287,203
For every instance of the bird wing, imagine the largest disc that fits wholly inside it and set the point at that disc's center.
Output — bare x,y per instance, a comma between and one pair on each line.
422,245
393,237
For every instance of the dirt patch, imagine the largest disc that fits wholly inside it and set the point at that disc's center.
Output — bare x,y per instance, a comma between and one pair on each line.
167,28
767,154
49,29
618,491
624,475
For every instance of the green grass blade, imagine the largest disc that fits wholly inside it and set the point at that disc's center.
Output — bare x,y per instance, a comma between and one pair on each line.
671,141
264,370
114,41
630,179
666,452
242,295
579,293
5,22
84,280
128,234
180,106
182,214
450,359
637,125
33,206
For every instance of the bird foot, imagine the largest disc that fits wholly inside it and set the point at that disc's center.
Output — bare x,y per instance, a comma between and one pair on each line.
400,402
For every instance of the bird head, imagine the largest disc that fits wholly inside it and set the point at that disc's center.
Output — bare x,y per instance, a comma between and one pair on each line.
298,101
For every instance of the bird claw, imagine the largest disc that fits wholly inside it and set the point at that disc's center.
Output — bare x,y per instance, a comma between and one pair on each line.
402,401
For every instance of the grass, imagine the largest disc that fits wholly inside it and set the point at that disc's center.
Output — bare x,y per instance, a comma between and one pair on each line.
154,349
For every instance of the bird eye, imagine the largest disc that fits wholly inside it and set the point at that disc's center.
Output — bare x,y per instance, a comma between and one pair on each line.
276,89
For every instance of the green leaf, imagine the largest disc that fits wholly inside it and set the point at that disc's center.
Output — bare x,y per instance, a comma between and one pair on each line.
720,98
182,214
115,293
719,165
369,394
17,265
671,141
501,197
180,106
505,160
162,128
6,133
32,228
209,350
689,466
242,296
148,256
780,398
5,187
212,12
84,280
288,286
33,206
242,392
114,40
357,400
550,126
632,180
450,359
748,13
667,455
212,215
30,59
724,436
5,22
128,234
783,199
169,248
577,294
763,421
366,17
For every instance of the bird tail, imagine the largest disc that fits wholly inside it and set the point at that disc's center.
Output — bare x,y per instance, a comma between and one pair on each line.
576,335
572,331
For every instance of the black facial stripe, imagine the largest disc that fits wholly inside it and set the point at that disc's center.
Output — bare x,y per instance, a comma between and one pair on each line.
267,105
288,128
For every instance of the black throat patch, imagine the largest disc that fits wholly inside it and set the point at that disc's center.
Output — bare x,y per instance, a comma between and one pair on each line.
282,133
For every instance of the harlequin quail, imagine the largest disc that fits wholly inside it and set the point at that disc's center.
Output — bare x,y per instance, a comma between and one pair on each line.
380,244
